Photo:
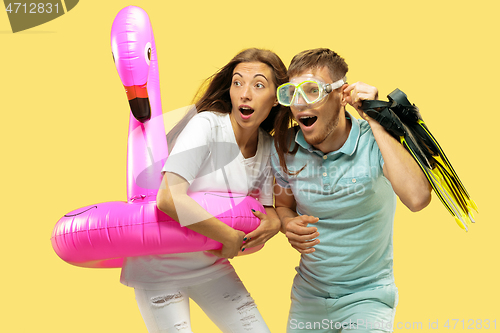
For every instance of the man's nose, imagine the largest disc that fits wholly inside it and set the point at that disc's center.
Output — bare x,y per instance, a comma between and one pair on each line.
299,99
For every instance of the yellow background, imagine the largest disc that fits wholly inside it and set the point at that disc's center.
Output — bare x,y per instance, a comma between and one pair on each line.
64,117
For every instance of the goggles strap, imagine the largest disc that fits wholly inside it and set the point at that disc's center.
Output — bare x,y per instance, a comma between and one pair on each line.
335,85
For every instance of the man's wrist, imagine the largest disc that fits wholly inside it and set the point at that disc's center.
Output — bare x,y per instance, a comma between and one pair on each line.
374,125
285,221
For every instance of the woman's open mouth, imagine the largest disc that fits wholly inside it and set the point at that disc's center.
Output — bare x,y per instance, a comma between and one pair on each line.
246,112
308,121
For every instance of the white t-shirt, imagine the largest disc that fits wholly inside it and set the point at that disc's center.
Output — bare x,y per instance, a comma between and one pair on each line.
207,156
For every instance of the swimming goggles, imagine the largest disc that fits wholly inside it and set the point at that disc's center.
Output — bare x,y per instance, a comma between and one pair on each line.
311,90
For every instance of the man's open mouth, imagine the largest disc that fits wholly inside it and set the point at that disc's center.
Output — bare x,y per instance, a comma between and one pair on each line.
308,120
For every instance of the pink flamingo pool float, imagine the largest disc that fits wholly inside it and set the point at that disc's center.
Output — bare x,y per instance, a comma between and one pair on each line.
102,235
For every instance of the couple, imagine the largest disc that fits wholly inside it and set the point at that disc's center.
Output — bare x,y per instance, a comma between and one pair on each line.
337,178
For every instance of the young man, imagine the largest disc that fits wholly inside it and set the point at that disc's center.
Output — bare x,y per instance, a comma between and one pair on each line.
337,178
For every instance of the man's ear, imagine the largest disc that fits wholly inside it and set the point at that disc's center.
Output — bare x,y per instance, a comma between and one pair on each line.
344,95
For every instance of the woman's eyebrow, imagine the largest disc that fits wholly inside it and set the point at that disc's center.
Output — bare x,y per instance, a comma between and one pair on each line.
253,76
261,75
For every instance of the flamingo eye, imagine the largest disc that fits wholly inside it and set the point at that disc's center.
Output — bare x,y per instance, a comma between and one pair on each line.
113,57
147,53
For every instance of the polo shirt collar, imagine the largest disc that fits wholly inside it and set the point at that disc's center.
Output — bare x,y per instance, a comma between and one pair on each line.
349,146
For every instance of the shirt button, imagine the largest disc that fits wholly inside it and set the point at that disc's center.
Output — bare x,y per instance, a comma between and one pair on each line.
354,180
325,157
324,174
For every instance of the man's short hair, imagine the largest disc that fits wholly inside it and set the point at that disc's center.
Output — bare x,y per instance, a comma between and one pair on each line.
318,58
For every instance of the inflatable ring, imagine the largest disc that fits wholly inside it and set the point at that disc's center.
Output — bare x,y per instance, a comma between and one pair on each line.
102,235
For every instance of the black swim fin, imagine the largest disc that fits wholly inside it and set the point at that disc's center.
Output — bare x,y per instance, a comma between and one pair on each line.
403,120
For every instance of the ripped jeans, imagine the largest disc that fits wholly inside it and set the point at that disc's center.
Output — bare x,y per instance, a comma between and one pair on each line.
225,301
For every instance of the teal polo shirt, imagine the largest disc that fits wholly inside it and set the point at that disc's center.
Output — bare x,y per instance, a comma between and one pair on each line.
346,189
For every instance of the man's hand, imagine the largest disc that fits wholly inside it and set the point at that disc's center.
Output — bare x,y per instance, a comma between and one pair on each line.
406,177
300,236
358,92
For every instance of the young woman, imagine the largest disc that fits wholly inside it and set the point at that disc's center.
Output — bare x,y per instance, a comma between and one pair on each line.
235,113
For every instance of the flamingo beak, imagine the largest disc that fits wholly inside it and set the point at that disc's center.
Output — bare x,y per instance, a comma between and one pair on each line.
138,100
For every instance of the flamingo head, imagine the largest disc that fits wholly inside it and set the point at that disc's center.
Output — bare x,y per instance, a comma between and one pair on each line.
132,47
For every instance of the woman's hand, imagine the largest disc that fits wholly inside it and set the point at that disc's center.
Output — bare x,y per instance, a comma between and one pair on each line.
231,245
269,226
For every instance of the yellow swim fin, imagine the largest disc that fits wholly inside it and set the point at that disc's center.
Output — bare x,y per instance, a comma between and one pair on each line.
403,120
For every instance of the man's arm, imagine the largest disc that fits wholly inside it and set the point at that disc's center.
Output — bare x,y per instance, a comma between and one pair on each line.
300,236
406,177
